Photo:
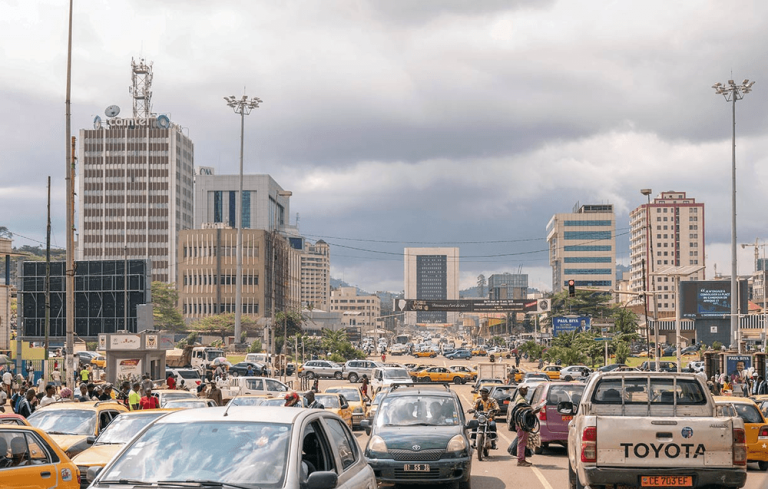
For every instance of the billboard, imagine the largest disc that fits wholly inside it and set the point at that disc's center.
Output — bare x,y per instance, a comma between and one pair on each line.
471,305
736,366
710,298
567,325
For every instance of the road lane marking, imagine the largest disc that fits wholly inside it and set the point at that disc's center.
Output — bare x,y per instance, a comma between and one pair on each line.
541,478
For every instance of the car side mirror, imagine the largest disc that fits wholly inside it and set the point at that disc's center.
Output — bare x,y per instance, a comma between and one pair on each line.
472,424
366,425
566,407
473,391
93,472
90,440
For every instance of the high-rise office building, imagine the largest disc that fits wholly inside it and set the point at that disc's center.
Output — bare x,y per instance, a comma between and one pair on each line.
266,205
677,238
316,275
507,286
136,185
431,273
582,247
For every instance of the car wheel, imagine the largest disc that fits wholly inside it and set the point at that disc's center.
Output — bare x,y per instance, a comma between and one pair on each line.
568,378
467,484
337,376
353,377
573,478
235,374
457,380
426,379
310,375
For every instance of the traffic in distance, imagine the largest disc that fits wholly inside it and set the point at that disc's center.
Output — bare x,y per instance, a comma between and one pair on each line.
425,408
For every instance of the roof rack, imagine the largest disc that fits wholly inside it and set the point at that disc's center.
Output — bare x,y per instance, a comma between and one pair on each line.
397,385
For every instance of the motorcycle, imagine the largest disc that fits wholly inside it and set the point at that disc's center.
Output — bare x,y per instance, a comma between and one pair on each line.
484,437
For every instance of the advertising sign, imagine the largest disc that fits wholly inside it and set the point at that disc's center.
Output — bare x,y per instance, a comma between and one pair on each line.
469,305
710,298
129,368
736,366
151,342
567,325
125,342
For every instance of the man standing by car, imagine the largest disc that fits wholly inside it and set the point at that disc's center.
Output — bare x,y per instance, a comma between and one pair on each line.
490,407
312,402
215,393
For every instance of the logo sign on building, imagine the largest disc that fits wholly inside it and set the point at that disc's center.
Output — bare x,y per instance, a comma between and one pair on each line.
125,342
568,325
151,340
102,342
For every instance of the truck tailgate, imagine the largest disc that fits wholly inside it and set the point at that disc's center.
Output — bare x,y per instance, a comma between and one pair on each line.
664,442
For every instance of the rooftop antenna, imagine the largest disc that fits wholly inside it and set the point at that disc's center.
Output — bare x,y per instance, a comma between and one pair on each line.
141,88
297,220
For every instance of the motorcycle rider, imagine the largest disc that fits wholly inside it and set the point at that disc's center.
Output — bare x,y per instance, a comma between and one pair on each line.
490,407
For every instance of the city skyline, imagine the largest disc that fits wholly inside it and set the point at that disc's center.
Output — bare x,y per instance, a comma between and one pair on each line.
414,125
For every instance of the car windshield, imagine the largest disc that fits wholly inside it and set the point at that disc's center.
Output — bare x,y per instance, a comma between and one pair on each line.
397,373
565,393
249,401
243,453
188,374
212,355
657,391
177,395
65,421
350,394
422,410
123,428
748,413
328,401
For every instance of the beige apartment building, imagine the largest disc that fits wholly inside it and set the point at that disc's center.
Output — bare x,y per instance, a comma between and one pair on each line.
316,275
676,236
582,247
208,272
360,311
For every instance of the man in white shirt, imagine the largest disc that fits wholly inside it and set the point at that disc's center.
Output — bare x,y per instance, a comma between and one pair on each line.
7,381
56,376
49,397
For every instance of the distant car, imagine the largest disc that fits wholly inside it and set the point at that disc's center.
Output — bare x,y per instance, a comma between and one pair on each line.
259,369
354,370
190,403
575,372
504,395
460,353
611,367
425,354
696,366
664,366
553,371
536,376
690,350
321,368
186,378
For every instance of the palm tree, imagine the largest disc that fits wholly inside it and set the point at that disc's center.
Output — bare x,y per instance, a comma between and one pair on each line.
5,233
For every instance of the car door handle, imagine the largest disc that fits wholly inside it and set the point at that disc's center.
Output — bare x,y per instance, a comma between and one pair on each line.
45,474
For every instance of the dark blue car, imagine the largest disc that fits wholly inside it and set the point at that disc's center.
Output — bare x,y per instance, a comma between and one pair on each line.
460,353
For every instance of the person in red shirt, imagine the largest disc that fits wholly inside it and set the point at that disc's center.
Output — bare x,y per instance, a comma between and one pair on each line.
149,401
171,381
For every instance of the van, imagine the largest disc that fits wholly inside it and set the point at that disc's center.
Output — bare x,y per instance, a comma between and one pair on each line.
257,358
386,376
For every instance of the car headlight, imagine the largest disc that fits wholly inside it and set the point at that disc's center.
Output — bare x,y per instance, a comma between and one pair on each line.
457,444
377,447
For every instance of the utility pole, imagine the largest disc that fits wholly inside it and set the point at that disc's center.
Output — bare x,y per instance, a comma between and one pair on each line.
48,272
70,266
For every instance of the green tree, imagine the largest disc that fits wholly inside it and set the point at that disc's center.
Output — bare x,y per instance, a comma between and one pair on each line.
167,316
223,325
621,349
533,349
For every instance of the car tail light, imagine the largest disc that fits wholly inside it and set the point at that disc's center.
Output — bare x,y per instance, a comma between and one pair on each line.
589,444
763,432
739,447
543,414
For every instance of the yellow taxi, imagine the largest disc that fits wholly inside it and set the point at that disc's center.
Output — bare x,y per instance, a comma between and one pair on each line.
479,351
442,374
552,371
425,354
165,395
100,361
32,460
755,427
114,437
761,401
354,398
413,372
336,403
370,411
464,369
74,425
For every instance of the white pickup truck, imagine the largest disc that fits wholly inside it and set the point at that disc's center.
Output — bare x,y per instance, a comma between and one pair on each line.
648,429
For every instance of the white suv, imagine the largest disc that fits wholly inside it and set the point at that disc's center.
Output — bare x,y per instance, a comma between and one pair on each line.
320,368
354,370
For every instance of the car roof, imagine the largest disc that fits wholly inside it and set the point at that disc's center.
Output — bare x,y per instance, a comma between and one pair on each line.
242,414
420,390
88,405
733,400
147,412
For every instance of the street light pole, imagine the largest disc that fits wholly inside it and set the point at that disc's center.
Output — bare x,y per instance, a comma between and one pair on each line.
649,229
733,92
242,106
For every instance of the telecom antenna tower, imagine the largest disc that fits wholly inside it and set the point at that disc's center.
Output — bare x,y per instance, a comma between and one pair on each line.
141,89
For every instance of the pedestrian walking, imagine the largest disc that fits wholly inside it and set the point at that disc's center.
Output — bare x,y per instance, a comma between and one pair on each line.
149,401
171,381
364,387
383,357
26,404
134,398
522,435
7,382
215,393
56,378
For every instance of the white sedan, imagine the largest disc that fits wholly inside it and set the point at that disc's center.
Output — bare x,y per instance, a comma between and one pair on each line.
575,372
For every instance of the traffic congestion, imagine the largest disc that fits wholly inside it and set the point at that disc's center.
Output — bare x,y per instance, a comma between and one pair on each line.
491,420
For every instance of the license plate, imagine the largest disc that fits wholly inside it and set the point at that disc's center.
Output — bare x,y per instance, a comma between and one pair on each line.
506,402
567,418
666,481
416,468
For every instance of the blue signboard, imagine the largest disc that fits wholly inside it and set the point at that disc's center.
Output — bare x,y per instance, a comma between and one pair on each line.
736,366
567,325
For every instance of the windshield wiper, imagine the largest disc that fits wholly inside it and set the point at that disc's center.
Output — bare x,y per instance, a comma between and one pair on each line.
204,483
60,433
127,481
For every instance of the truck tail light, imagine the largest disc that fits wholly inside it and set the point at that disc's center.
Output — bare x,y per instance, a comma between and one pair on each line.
739,447
543,414
589,444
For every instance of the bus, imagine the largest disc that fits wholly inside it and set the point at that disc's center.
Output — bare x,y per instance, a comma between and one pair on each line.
403,339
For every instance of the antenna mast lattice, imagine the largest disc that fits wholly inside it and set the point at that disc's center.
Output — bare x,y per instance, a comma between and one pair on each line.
141,89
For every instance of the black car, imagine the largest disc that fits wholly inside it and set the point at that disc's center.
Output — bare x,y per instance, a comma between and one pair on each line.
611,367
664,366
259,369
420,435
504,395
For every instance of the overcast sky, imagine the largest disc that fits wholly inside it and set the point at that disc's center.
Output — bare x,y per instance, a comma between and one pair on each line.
402,122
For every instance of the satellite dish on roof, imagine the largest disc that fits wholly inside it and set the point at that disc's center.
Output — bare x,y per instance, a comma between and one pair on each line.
112,111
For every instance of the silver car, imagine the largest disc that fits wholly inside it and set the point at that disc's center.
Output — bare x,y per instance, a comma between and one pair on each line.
321,368
354,370
245,446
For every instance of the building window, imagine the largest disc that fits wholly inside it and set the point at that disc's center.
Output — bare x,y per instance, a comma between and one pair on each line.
217,207
246,209
587,235
587,259
232,210
588,223
587,248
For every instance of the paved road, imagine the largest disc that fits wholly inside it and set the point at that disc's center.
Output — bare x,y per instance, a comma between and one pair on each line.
500,470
